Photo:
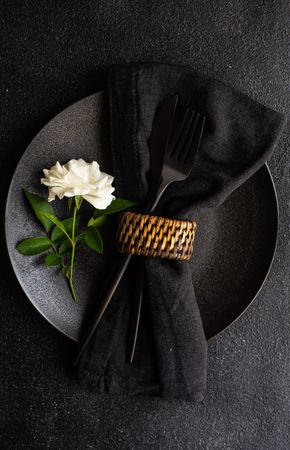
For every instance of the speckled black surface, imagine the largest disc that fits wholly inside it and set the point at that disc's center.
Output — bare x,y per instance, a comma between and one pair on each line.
52,55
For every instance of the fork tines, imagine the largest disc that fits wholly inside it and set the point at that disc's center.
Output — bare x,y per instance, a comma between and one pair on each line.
186,136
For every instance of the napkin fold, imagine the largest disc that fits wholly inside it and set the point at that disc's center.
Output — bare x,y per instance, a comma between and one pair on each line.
240,134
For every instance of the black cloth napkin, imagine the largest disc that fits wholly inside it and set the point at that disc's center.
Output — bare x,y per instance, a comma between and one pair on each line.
240,134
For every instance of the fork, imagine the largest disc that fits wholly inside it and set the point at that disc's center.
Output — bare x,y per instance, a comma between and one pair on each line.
182,149
178,162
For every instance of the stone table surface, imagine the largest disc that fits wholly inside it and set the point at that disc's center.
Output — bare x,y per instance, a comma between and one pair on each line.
54,53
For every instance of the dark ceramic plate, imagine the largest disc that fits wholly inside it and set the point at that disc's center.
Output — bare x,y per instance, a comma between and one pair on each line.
234,246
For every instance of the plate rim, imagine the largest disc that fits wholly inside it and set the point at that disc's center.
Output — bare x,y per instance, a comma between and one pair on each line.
99,93
227,327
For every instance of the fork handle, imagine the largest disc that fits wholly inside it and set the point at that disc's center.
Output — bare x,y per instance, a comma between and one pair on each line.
113,286
105,303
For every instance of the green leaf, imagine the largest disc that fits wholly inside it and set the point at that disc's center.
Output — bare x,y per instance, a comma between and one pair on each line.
97,222
93,239
33,246
70,201
80,238
64,247
59,235
39,206
57,222
52,259
119,204
79,201
63,270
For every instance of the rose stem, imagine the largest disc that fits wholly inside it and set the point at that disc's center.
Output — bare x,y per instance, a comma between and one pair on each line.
73,243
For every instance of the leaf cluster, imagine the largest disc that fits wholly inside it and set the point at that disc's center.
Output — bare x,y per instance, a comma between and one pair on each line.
63,236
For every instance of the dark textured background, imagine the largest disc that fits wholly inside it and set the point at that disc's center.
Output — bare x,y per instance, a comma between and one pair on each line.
53,53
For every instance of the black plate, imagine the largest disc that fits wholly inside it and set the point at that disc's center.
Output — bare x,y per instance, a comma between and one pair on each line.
234,246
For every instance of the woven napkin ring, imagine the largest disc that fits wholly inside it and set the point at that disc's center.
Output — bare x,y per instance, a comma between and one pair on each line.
142,234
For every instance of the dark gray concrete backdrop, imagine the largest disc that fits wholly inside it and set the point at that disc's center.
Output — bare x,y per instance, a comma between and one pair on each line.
54,53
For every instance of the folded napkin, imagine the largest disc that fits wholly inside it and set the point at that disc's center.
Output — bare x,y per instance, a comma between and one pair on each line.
240,134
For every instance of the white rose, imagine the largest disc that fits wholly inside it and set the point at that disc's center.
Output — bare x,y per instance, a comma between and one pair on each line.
77,177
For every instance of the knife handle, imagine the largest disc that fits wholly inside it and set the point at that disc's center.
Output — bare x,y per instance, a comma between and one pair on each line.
135,312
136,303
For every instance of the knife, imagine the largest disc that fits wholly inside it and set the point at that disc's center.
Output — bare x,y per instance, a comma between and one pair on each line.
159,139
160,134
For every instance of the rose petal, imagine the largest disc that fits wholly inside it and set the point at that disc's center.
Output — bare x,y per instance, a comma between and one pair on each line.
77,177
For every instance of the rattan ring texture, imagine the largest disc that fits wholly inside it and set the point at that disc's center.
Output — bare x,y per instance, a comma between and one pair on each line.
143,234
